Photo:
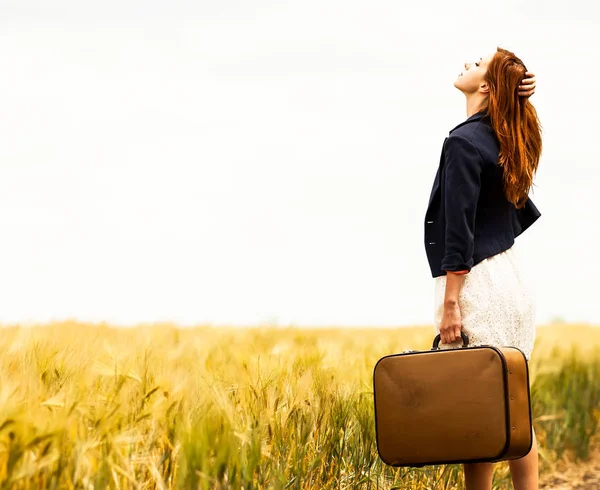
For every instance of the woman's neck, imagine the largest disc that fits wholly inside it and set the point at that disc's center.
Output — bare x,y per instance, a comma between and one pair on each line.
475,103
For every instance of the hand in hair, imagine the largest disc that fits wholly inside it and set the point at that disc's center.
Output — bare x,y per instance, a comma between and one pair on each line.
527,87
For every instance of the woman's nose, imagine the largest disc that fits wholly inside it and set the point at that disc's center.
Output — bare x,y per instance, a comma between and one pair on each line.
467,65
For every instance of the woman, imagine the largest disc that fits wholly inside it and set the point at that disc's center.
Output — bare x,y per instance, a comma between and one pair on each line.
478,205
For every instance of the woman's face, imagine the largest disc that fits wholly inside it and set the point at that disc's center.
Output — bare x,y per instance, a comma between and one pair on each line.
470,80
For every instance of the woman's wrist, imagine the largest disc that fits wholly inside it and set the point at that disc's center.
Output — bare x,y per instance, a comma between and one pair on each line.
454,284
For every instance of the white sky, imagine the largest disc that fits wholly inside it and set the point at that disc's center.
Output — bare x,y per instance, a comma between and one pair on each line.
247,162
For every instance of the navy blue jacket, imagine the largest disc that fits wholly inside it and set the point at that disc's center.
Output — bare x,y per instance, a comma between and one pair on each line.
468,217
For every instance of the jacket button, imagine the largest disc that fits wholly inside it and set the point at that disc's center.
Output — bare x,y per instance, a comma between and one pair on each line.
430,222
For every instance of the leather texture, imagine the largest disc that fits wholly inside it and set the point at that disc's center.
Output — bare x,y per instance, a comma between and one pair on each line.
463,405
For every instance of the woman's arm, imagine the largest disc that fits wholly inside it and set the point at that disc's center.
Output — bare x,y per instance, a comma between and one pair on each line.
451,324
462,181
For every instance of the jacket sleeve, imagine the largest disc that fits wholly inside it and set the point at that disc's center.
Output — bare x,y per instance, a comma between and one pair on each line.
462,183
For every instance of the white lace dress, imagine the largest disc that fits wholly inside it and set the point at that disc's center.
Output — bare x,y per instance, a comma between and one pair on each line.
496,302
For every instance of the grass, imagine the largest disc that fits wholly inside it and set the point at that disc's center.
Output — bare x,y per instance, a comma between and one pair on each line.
84,406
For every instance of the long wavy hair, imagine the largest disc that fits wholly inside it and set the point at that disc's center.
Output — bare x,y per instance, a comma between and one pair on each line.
516,124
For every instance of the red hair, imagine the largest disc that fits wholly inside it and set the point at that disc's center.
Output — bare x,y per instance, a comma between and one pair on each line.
516,124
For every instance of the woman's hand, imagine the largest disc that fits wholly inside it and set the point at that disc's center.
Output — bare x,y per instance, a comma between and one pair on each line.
451,324
527,87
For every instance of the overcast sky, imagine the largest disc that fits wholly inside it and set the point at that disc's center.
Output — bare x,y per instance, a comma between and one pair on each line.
238,162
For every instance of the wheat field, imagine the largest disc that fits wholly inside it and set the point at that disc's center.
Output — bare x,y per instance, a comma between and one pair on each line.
157,407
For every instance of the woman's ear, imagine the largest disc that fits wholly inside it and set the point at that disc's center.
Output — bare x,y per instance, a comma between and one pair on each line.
484,88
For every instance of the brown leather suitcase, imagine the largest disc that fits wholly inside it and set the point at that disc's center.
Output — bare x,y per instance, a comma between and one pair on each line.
442,406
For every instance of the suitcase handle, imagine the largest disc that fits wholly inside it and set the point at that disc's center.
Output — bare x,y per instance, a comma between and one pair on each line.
438,337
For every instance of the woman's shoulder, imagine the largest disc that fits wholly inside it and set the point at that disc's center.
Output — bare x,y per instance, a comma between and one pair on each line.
479,133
